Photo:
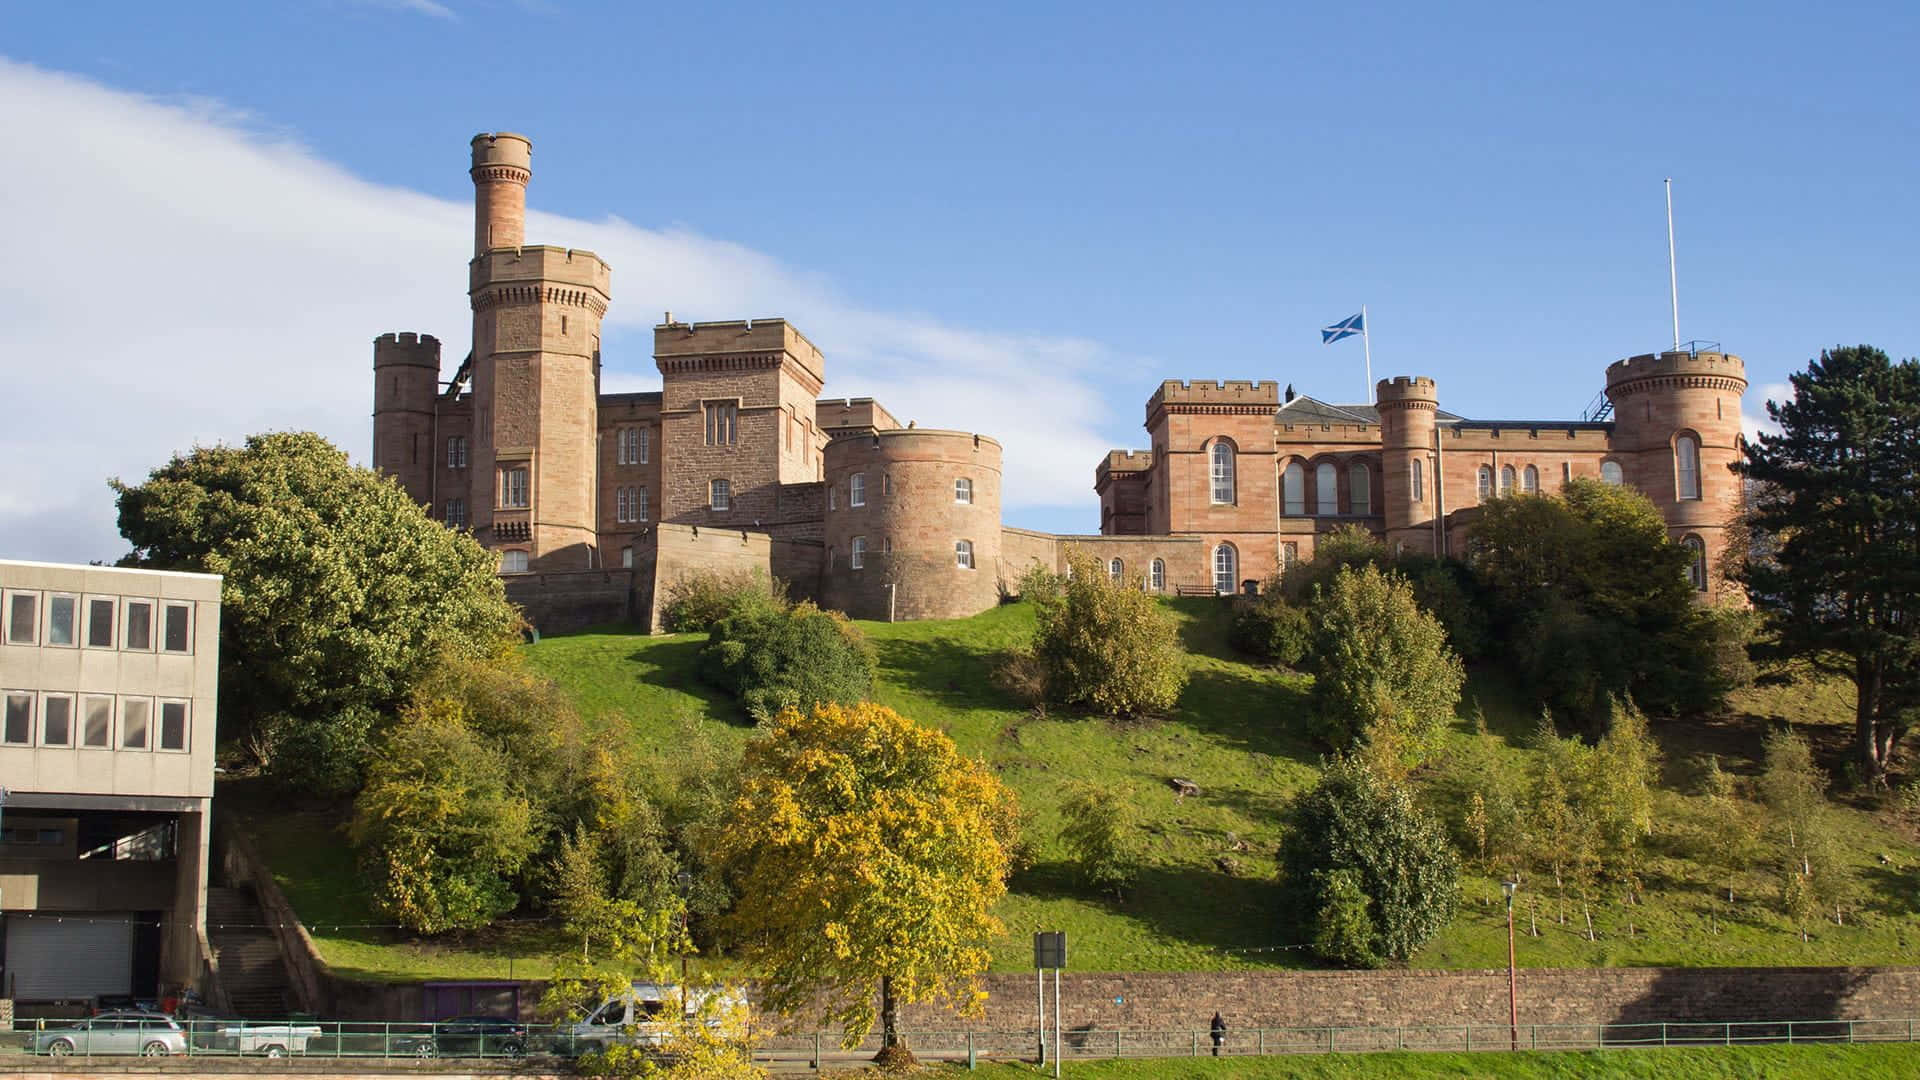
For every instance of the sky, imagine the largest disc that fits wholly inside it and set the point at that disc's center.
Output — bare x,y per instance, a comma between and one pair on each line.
1013,219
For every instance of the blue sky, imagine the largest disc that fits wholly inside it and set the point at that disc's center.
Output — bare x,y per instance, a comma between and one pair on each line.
1070,202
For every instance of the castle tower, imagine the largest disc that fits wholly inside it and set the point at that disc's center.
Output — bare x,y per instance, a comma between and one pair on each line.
1408,407
406,378
1213,473
536,374
1676,437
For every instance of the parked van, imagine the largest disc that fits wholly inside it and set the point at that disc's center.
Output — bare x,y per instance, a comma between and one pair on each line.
644,1015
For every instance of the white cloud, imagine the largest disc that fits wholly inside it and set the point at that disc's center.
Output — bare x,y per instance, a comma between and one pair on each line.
418,7
176,276
1753,412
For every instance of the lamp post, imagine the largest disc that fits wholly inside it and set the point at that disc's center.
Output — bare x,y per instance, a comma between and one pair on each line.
1513,982
683,881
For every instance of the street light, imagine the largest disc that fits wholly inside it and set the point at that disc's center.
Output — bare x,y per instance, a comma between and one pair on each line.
1513,982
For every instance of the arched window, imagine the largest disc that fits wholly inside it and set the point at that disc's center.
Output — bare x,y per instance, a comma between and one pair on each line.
1359,489
962,490
1486,482
1326,489
1157,575
1610,473
1115,570
963,554
1697,568
857,553
1293,489
1419,480
513,562
1506,480
1686,459
1530,481
857,489
1221,470
1226,567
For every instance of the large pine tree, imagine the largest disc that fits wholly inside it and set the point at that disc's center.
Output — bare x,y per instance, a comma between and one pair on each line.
1836,535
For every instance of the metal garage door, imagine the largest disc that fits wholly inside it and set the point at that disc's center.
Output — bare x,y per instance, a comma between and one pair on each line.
83,956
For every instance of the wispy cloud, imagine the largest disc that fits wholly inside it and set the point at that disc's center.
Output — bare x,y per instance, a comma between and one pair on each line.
176,276
1753,411
417,7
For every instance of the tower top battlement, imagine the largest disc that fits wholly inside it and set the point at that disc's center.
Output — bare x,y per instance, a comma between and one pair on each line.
406,347
675,343
1683,363
1404,390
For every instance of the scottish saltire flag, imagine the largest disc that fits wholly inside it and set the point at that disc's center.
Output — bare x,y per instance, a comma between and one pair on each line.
1347,327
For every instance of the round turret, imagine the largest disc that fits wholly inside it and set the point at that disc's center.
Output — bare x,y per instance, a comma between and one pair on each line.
502,165
919,511
1408,406
406,379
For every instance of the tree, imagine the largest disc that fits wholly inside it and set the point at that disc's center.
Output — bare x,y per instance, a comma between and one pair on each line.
1397,855
1102,834
1108,647
772,656
1836,522
339,589
1794,791
868,854
1383,675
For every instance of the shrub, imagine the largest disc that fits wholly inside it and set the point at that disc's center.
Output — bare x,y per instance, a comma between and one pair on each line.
1385,678
1039,585
1353,820
1342,924
1345,548
776,657
1102,835
1269,627
1108,648
324,756
697,600
1443,588
1021,674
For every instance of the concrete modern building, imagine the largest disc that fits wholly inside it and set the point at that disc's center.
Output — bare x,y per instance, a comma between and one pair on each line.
108,682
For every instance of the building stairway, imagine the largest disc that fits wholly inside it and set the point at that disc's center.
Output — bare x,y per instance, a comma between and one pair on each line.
251,969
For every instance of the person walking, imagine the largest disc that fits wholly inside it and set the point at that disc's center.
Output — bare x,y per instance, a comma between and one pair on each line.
1219,1030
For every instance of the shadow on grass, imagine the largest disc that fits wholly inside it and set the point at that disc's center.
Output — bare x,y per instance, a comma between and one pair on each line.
675,665
1268,715
959,676
1895,891
1204,625
1194,905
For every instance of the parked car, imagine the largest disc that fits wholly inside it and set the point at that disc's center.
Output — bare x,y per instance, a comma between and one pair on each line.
643,1016
476,1036
149,1034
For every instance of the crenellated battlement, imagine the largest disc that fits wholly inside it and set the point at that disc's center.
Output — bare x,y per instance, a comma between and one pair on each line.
1122,465
538,263
1406,390
406,347
1683,364
1240,396
674,342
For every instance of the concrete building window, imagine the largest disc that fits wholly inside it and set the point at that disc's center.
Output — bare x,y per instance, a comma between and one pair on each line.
17,730
1419,489
1530,480
1697,568
1486,482
1610,473
626,557
457,513
457,452
720,495
640,508
177,621
1686,459
1359,489
1116,570
56,720
1326,489
23,618
97,730
963,554
100,622
857,490
173,725
1226,567
1157,575
1289,553
963,490
62,612
515,491
857,553
513,562
1220,470
134,714
723,423
1506,480
1293,489
138,625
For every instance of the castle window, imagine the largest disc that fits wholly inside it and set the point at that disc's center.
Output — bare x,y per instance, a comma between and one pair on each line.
857,553
457,513
723,423
857,490
720,495
1289,553
626,556
1220,470
457,452
886,545
619,504
1226,567
1293,489
963,554
513,487
1530,481
1359,489
1326,489
513,562
886,484
1115,570
1157,575
1610,473
962,490
833,497
1566,472
643,444
640,504
1506,481
1486,482
1686,455
1419,472
1697,568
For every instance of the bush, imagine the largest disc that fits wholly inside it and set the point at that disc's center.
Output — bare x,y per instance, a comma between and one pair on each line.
1345,548
1269,627
1102,835
1444,589
1342,924
1039,585
772,657
1021,674
1355,821
323,756
699,599
1384,677
1108,648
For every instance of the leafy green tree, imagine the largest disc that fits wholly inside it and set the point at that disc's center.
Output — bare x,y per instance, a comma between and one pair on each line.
1348,547
1383,675
339,589
1622,773
772,656
697,600
1343,926
439,832
869,855
1102,834
1836,522
1271,628
1353,820
1107,647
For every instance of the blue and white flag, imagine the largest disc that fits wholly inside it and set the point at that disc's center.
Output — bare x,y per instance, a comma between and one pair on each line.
1347,327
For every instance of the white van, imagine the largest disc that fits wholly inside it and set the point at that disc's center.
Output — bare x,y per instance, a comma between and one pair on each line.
644,1015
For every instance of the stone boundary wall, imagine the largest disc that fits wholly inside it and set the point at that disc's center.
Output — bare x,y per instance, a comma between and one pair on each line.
558,601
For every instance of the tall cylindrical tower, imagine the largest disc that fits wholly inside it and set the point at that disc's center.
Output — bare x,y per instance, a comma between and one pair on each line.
406,381
502,165
1408,406
927,524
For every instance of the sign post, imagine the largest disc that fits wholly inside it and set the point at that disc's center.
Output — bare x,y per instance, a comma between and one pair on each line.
1049,951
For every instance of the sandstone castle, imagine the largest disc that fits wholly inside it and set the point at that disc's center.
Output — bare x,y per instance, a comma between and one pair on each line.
596,502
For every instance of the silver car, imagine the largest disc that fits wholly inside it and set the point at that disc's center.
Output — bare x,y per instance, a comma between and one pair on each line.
144,1033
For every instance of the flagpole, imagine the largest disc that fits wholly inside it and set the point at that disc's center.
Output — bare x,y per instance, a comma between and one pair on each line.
1673,274
1366,343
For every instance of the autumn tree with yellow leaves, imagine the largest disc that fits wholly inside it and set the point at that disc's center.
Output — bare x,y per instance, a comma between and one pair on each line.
868,854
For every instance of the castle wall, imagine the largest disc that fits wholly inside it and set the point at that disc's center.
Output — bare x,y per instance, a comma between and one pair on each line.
672,552
563,601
